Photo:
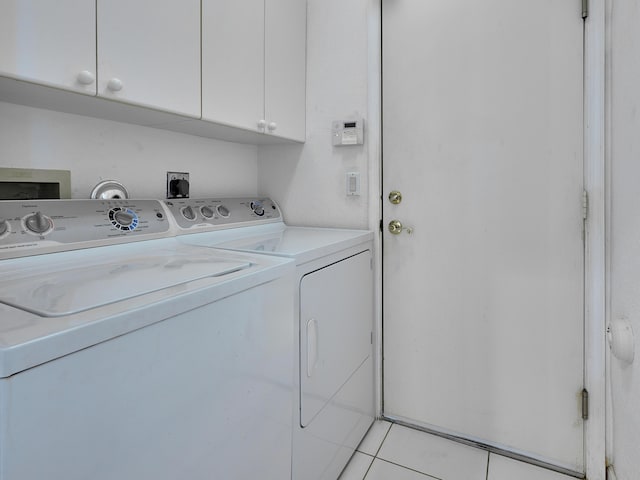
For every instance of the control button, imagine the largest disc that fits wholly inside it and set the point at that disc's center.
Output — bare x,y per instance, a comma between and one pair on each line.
207,212
124,218
38,223
4,227
257,208
223,211
188,213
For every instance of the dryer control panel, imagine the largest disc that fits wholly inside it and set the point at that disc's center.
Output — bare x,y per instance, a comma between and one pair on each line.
31,227
204,214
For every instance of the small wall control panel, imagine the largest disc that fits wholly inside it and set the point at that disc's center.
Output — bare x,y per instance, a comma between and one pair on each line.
30,227
194,215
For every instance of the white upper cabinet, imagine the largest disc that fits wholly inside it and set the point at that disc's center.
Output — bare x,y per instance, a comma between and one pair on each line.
49,42
149,53
254,64
285,67
233,62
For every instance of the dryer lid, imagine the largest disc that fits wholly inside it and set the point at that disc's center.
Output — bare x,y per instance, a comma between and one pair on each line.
72,282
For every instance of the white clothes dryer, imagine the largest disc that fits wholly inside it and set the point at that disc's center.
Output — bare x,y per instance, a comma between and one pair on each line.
126,354
334,305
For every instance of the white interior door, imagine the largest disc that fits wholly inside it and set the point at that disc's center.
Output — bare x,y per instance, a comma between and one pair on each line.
483,302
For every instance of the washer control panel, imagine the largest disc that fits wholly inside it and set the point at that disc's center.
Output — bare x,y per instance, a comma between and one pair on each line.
30,227
201,214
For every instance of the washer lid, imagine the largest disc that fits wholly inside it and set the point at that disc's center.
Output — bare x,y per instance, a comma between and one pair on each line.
72,282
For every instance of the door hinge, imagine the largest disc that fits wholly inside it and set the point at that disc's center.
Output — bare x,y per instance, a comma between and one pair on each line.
585,404
585,8
585,204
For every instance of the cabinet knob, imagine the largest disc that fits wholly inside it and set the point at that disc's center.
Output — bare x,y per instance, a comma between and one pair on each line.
272,126
261,124
85,77
115,85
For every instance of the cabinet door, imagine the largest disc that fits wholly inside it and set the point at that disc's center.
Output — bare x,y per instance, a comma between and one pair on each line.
149,53
49,42
233,62
285,67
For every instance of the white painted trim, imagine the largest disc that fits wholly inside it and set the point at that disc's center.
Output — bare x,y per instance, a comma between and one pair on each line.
374,144
595,246
609,445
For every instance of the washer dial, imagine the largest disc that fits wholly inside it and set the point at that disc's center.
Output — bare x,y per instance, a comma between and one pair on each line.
257,208
38,224
4,228
123,219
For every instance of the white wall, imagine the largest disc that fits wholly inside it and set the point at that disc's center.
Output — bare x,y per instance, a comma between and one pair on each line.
309,181
624,95
139,157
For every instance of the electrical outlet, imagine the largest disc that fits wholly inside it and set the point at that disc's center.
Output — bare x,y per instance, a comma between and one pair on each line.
177,185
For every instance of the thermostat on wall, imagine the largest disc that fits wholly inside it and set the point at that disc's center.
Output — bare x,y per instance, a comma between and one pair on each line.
348,132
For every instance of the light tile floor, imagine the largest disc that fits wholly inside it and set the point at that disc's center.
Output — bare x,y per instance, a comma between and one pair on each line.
394,452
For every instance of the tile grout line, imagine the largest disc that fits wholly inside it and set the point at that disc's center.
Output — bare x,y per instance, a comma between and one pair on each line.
407,468
382,442
488,460
375,455
369,467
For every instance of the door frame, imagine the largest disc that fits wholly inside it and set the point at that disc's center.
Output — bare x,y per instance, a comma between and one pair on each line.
595,181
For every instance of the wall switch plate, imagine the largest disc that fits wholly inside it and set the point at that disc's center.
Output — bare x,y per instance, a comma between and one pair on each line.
177,185
353,184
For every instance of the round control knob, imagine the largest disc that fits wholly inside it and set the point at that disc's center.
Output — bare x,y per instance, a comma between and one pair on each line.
207,212
85,77
257,208
115,85
124,218
223,211
38,223
4,227
188,213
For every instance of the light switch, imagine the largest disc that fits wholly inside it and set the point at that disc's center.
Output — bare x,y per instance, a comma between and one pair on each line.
353,184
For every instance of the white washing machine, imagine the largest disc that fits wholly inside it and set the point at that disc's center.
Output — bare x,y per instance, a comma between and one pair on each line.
334,302
127,355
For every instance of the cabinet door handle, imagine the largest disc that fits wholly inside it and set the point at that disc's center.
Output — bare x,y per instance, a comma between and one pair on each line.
261,124
85,77
115,85
272,126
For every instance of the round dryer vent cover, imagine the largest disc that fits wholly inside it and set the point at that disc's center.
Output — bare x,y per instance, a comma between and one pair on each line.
109,189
